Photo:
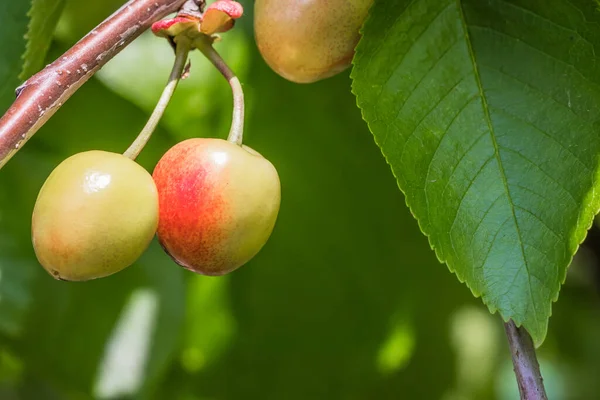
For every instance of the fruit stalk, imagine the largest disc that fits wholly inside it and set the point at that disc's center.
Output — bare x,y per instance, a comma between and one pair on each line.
236,132
181,54
45,92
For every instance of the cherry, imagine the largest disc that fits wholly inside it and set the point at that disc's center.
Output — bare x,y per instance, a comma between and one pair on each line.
218,204
95,215
218,199
306,41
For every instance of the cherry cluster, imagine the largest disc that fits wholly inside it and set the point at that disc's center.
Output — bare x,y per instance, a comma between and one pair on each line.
212,203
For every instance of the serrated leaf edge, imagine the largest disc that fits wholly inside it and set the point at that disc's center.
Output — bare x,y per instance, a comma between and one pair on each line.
23,74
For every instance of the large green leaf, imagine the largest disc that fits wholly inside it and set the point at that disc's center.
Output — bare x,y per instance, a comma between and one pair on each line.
44,15
487,112
12,43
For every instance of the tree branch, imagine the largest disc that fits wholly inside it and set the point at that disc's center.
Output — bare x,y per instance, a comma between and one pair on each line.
527,369
45,92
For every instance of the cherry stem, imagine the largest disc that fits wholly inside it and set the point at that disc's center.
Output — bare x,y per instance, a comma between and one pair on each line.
181,55
236,133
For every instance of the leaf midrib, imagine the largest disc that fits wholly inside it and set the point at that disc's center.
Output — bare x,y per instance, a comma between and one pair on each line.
488,120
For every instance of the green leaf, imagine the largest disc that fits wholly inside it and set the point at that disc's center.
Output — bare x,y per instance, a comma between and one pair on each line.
44,15
487,112
12,43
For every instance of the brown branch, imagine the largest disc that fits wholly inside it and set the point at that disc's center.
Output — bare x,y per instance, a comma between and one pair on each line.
527,369
45,92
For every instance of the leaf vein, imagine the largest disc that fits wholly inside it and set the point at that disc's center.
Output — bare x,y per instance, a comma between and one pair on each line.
439,145
414,42
542,95
485,214
417,85
552,179
457,164
489,250
518,40
496,149
537,217
464,195
435,106
544,133
542,18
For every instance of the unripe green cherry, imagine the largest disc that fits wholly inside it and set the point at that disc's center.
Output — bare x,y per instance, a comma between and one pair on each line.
218,204
309,40
95,215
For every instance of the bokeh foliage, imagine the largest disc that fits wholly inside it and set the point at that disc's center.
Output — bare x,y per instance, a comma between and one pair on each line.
346,301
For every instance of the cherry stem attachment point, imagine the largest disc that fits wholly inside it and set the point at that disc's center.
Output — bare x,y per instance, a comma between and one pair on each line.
236,131
181,54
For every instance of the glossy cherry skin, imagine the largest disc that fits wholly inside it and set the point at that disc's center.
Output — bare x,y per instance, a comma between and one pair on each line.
308,40
95,215
218,204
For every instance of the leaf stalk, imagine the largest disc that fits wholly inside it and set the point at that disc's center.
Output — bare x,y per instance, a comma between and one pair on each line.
526,366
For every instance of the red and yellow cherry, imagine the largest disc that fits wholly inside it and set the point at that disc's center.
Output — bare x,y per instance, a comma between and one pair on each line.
309,40
95,215
218,204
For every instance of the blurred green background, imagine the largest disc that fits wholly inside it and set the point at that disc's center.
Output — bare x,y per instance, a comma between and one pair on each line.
346,301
